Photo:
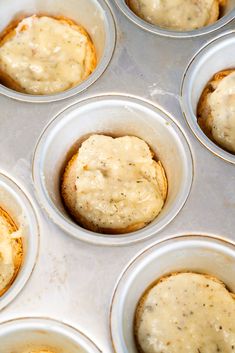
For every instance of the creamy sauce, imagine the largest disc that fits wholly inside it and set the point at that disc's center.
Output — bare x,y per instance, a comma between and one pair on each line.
187,313
39,351
46,55
174,14
6,254
117,183
222,105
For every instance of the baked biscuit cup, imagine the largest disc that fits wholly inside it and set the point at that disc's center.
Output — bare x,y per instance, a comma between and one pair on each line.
26,334
19,208
201,254
212,58
226,15
115,116
93,15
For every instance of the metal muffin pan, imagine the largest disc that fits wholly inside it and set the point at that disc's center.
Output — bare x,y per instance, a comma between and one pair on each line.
115,116
227,15
197,75
73,280
15,202
192,253
98,23
42,333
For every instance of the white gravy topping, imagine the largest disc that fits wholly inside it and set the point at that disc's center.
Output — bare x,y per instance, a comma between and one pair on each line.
187,313
39,351
222,105
45,55
178,15
117,183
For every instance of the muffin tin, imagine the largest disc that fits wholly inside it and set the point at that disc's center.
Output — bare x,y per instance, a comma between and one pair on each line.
198,254
144,87
198,73
226,17
54,334
99,24
16,203
115,116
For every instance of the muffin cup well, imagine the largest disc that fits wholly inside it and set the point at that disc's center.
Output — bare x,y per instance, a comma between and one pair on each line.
227,16
18,206
199,254
94,15
41,333
216,56
115,116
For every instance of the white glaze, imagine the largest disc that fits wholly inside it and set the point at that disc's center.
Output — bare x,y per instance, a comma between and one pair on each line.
45,55
117,182
178,15
187,313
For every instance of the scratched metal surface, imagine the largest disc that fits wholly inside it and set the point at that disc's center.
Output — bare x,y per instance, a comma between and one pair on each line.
74,281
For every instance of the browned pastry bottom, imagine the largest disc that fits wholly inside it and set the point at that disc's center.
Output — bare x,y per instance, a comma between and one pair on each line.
204,117
17,248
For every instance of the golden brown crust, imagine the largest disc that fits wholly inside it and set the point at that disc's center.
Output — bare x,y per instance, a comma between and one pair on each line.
17,249
8,82
162,181
141,302
223,3
9,32
215,12
204,116
68,193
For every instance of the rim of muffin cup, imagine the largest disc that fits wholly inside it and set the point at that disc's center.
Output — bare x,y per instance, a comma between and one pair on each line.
19,207
222,21
41,333
116,115
205,254
213,57
104,43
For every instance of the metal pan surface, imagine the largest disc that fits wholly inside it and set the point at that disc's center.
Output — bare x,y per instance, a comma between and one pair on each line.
73,280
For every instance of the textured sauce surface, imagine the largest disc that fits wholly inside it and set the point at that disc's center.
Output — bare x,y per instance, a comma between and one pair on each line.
186,313
47,55
39,351
118,182
222,106
176,15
